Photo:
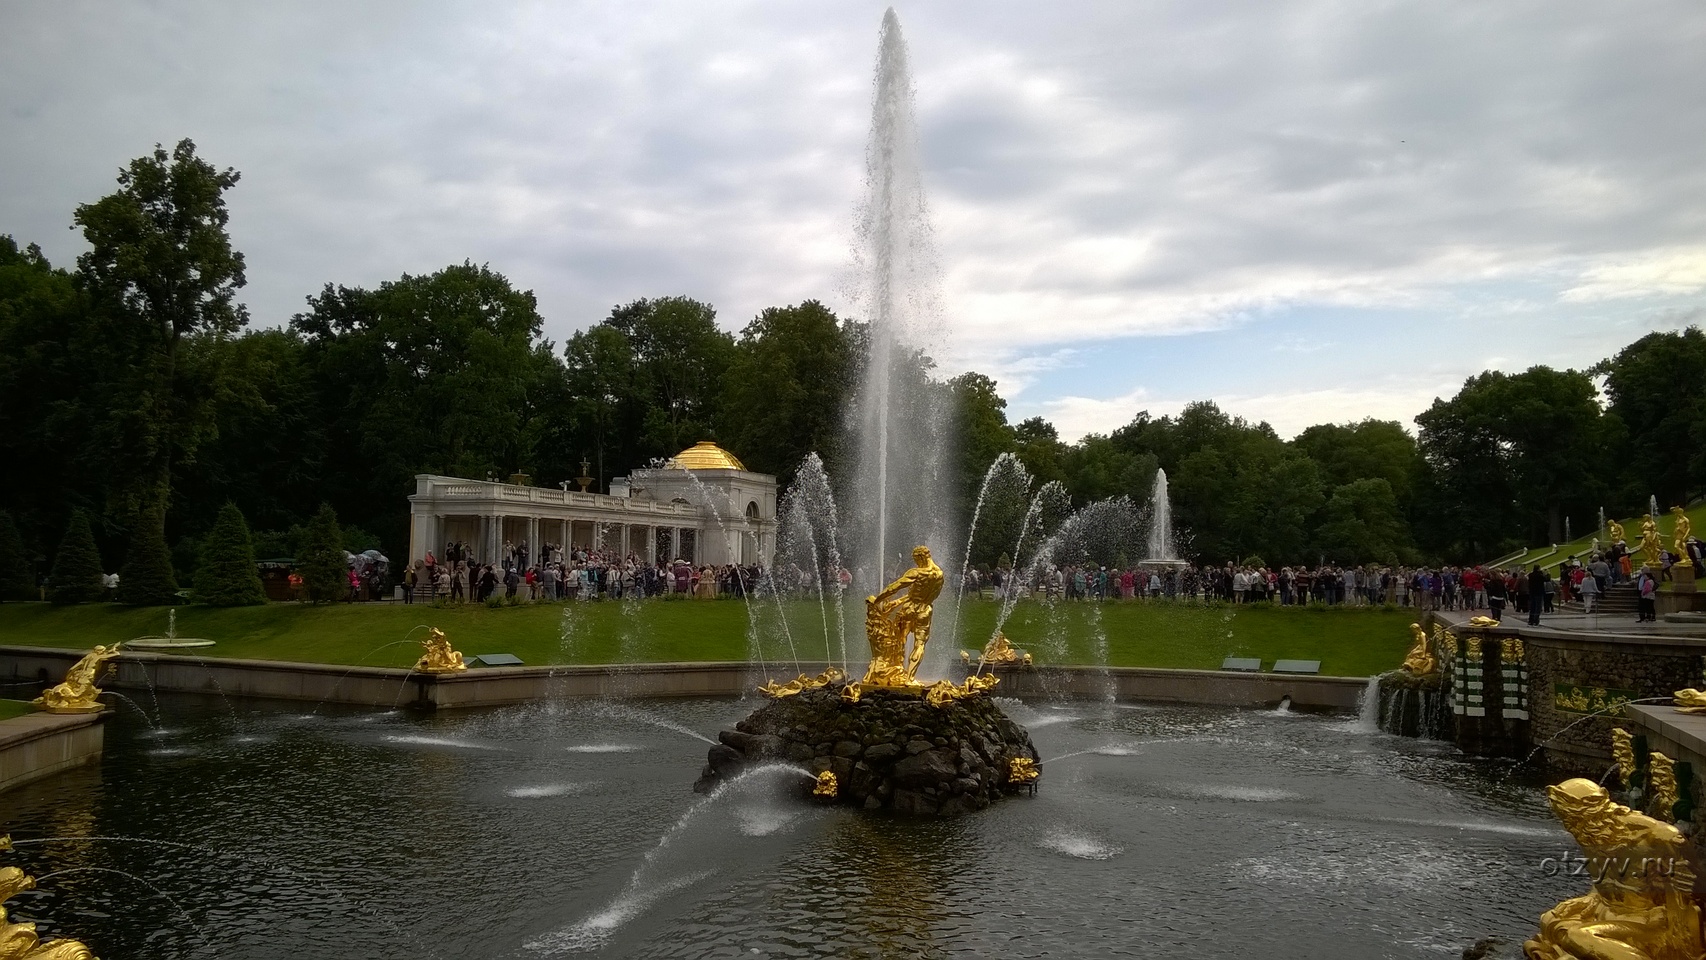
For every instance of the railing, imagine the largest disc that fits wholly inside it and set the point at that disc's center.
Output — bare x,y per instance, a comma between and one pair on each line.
474,489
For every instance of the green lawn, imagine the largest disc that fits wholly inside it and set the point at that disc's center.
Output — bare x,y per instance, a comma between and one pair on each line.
1348,642
14,708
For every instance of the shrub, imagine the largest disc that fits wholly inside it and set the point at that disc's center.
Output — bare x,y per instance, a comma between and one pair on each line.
227,576
77,567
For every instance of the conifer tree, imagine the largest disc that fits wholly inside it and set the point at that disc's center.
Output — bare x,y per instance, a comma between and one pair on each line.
320,558
77,567
147,579
16,580
227,576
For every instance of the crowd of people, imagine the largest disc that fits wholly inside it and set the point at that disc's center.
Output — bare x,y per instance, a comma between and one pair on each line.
558,573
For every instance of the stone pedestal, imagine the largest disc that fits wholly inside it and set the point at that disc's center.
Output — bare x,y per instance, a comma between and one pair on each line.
1682,577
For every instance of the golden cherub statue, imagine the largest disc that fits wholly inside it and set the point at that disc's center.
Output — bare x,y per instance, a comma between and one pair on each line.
78,693
1420,661
18,940
439,658
891,616
1651,549
1641,906
1680,532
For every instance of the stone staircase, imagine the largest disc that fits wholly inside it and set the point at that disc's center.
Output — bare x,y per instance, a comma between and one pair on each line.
1619,600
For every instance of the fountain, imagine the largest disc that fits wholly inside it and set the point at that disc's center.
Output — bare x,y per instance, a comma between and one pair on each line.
171,641
886,741
1163,551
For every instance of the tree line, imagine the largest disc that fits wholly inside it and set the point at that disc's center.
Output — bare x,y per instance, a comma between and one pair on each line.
137,395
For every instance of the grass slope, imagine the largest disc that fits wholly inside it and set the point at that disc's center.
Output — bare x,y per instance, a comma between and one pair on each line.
1348,642
14,708
1550,558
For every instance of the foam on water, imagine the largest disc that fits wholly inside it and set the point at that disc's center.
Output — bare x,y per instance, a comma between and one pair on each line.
1080,845
602,748
1241,792
762,821
595,931
548,790
421,741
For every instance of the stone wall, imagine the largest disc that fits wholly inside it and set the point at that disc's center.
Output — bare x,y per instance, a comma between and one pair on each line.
42,744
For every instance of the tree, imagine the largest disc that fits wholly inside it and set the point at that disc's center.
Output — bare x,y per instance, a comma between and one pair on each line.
1361,523
161,271
76,576
16,580
147,578
321,561
981,426
228,577
787,381
681,358
1657,389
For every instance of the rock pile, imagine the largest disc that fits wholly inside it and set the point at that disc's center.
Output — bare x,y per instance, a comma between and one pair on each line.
890,750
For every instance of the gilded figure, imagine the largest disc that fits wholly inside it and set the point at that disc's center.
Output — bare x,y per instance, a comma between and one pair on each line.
1661,786
1420,662
900,610
1652,551
1623,751
1690,700
1615,531
18,941
1680,532
439,656
78,692
1641,906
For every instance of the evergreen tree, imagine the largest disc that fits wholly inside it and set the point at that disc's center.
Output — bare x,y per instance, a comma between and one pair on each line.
227,576
320,560
16,580
77,568
147,579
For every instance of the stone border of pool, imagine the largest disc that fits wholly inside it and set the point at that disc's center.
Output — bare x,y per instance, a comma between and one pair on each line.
42,744
498,686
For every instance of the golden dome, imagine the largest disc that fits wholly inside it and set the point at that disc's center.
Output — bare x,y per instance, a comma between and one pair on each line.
706,455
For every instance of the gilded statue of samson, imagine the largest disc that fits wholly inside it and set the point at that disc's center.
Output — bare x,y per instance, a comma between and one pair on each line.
892,615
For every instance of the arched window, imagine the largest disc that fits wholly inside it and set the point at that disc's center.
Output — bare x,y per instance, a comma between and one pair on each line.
752,510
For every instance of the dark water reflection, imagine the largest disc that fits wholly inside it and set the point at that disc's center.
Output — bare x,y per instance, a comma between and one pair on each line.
554,830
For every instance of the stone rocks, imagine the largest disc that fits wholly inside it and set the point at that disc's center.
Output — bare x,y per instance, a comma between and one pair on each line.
888,751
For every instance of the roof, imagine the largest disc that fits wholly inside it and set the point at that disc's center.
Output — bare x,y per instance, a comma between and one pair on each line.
706,455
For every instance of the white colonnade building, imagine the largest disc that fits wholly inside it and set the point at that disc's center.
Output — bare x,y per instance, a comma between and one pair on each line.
703,506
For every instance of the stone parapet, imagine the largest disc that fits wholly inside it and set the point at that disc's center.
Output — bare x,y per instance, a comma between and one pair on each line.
41,744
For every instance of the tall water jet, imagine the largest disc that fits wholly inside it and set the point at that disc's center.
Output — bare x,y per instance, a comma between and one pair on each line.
902,427
1161,545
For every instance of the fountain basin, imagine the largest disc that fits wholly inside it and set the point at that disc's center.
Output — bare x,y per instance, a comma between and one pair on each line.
166,643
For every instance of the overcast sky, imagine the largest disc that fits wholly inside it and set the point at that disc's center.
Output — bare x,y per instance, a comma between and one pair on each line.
1306,211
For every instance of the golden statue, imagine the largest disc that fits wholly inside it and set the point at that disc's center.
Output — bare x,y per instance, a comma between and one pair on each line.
890,616
1479,621
439,658
1623,751
1022,770
1641,906
1690,701
78,693
826,786
1661,786
999,650
18,940
1616,531
1652,552
803,683
1420,662
1680,531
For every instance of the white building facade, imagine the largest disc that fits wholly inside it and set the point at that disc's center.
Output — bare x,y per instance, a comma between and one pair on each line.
704,507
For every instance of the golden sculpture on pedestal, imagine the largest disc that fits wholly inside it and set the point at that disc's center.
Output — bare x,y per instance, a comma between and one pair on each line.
1652,551
1680,532
78,693
999,650
1479,621
1641,906
891,616
1420,661
1022,770
1614,530
826,786
439,657
1623,751
18,941
1690,701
